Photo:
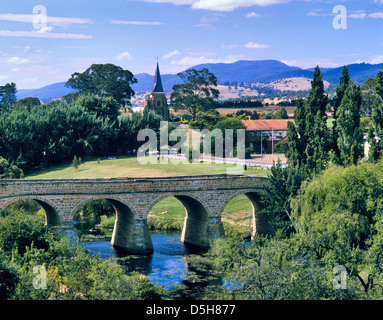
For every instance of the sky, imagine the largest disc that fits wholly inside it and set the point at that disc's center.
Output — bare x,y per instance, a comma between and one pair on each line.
44,41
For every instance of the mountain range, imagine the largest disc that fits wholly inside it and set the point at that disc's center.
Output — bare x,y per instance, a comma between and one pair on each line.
246,71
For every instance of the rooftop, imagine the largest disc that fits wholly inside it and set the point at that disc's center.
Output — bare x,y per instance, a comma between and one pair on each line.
266,125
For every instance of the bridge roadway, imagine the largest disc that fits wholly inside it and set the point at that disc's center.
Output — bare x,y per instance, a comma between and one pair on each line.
204,198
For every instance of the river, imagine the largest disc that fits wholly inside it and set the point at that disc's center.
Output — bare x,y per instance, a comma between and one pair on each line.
172,265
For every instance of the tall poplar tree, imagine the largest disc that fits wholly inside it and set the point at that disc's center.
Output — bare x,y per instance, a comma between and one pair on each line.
339,93
375,134
316,125
348,130
297,138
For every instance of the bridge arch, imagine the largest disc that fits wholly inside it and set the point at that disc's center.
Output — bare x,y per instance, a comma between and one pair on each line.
259,222
129,232
200,226
52,214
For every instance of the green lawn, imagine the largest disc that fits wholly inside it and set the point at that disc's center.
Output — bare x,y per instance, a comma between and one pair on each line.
130,167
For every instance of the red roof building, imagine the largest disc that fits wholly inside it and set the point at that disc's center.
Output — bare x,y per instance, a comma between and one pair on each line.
268,132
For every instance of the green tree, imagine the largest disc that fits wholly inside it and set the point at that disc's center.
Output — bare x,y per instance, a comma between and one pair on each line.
316,125
196,91
9,171
348,129
102,106
283,186
297,137
206,120
368,97
234,124
375,136
8,96
339,94
75,162
281,114
104,80
28,102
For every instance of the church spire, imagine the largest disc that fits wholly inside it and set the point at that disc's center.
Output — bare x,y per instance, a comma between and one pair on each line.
157,86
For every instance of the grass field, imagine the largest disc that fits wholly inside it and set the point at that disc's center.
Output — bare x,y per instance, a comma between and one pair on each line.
236,216
130,167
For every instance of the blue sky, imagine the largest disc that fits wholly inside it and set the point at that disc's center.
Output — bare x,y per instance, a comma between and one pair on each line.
38,49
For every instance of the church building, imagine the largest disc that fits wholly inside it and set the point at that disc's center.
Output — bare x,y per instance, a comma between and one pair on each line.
157,100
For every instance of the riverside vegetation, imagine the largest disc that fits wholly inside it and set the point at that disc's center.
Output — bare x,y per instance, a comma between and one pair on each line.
325,207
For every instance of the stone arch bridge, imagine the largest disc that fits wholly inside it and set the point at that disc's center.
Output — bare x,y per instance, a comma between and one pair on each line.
204,198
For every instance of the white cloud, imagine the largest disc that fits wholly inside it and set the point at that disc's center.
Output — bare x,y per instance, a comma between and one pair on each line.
3,77
230,5
376,15
221,5
229,46
55,21
49,35
192,61
252,45
175,2
312,62
137,23
124,56
18,60
253,15
171,54
361,15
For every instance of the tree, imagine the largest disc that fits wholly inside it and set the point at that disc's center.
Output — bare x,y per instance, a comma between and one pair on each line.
75,162
339,93
281,114
348,130
196,91
368,97
316,125
28,102
283,185
102,106
375,135
206,120
104,80
9,171
7,96
233,124
297,137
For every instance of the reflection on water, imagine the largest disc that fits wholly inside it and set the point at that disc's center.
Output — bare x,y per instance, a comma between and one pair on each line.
166,266
172,265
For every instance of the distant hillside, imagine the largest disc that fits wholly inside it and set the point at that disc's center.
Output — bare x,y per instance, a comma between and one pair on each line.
359,72
53,91
258,71
246,71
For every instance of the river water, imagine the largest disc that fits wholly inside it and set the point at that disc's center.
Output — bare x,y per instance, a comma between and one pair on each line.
172,265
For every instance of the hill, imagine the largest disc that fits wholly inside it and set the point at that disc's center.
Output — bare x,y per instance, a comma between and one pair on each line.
50,92
246,71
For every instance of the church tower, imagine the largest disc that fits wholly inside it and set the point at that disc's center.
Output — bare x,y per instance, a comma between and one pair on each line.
157,100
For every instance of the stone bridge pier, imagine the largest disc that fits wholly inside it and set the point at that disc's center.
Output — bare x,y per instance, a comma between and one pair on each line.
204,199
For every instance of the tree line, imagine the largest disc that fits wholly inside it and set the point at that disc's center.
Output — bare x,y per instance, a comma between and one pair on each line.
54,133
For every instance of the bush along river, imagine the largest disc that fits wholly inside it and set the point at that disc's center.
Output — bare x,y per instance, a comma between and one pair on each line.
176,267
